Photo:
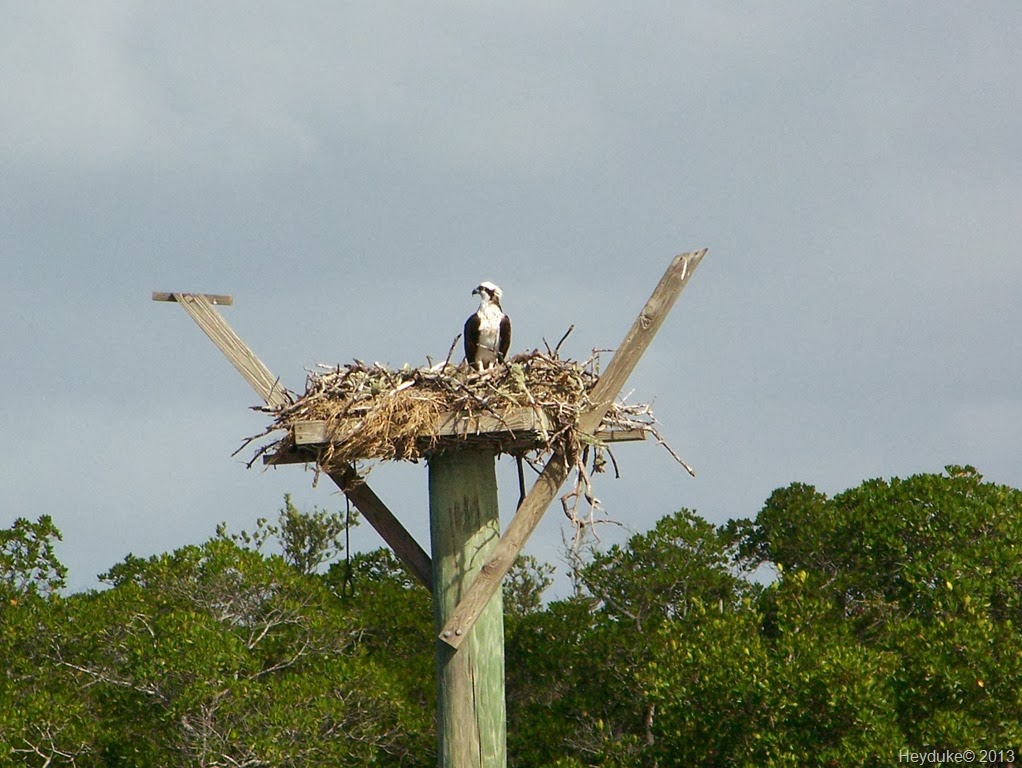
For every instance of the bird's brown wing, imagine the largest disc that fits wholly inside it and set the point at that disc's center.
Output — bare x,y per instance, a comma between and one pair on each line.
471,338
504,338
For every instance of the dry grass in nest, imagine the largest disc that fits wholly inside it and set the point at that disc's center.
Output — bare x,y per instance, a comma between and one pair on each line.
374,413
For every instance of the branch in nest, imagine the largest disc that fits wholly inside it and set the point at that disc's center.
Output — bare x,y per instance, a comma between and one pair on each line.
613,460
451,350
653,431
567,333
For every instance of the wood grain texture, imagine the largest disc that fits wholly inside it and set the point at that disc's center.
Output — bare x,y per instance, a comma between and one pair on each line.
464,528
201,310
525,420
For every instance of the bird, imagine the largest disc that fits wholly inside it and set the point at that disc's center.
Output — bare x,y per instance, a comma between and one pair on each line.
488,331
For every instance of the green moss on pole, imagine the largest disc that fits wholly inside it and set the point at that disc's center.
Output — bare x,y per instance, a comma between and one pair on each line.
464,528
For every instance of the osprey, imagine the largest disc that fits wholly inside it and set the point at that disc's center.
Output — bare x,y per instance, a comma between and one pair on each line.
488,331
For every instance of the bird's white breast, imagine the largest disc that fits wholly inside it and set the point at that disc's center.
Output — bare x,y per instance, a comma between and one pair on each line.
489,333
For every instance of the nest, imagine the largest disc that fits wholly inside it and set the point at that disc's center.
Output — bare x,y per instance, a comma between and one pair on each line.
371,413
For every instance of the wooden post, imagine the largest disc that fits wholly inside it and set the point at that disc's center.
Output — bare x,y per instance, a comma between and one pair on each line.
464,527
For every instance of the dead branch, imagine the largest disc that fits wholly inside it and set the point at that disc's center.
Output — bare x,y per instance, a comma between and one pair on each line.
567,333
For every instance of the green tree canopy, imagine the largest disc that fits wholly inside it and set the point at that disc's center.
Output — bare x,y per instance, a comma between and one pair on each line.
28,560
924,569
890,622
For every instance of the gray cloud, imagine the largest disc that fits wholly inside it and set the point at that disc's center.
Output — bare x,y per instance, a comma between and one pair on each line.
350,173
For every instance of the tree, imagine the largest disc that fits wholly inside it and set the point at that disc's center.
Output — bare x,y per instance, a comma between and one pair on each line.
42,721
393,612
892,621
806,693
210,655
306,540
28,560
579,658
924,569
524,585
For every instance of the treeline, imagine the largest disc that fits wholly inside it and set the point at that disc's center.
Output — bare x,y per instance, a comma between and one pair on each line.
892,624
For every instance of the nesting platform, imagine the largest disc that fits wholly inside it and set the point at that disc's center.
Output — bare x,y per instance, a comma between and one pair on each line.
358,412
517,430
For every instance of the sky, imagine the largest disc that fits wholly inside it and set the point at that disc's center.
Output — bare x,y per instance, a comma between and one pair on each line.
349,172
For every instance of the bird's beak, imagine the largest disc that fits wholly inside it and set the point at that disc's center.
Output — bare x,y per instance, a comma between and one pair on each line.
475,291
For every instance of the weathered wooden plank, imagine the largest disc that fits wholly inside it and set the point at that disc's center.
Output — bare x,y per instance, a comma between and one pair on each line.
447,424
620,435
637,340
513,420
201,310
221,299
524,421
294,456
306,454
318,432
535,504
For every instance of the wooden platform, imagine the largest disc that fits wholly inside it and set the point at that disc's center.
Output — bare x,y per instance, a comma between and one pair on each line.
516,430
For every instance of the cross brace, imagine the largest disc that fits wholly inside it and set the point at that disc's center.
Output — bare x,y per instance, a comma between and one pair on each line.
200,308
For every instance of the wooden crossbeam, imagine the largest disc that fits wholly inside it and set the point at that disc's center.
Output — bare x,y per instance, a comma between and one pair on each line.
221,299
311,435
385,523
200,308
636,341
523,422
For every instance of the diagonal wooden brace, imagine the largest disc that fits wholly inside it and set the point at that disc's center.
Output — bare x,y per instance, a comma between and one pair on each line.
535,504
382,519
200,308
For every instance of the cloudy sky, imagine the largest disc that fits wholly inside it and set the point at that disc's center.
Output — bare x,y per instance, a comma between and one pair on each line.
350,171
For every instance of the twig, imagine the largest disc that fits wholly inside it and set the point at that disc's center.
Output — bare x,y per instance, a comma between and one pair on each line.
451,350
613,460
567,333
653,431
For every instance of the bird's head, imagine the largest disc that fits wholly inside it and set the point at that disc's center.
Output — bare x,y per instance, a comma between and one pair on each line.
488,292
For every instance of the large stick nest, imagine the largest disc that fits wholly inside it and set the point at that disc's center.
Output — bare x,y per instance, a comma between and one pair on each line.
374,413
